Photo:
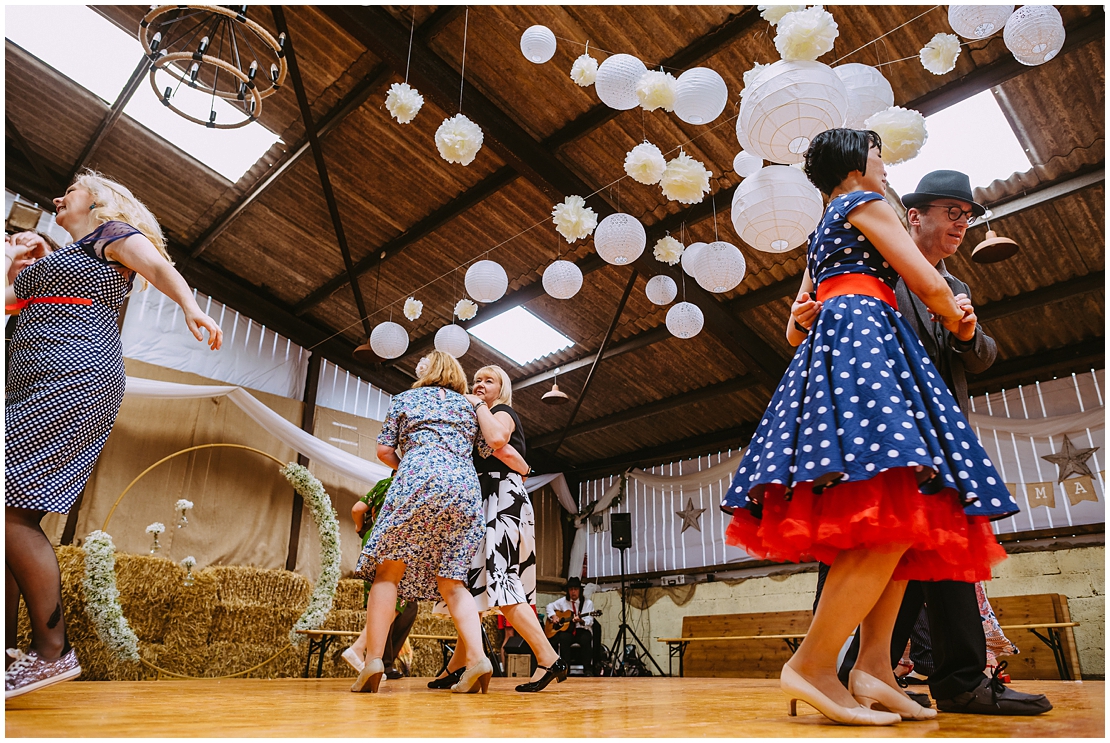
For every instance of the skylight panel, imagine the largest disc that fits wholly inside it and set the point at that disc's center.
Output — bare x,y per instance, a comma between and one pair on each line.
520,335
972,136
98,55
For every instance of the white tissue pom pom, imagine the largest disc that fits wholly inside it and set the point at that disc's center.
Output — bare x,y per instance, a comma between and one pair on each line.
749,77
657,89
645,163
685,180
584,71
413,308
902,131
940,54
422,366
668,250
573,219
805,35
403,102
774,13
465,309
458,139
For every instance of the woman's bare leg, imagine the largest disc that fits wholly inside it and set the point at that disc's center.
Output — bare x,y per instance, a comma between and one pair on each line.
465,613
527,625
381,607
875,632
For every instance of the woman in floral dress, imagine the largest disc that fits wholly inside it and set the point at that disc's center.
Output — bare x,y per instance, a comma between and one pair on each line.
431,523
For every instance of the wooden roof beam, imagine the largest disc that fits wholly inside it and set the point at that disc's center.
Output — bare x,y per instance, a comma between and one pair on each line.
111,117
1045,295
45,175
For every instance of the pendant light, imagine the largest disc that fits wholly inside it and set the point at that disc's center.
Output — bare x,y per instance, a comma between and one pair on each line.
993,248
555,396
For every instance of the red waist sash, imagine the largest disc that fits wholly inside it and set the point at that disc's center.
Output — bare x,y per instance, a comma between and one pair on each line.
19,304
856,283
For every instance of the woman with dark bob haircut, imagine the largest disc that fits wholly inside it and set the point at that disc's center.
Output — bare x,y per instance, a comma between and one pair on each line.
863,460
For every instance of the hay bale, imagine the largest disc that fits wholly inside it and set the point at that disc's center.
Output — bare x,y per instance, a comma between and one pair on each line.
252,623
266,587
349,595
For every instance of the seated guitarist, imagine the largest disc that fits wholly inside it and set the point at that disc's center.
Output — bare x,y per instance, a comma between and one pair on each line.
576,627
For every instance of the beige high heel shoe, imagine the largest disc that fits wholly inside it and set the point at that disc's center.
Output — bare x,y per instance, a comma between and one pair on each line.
795,687
475,677
370,676
870,691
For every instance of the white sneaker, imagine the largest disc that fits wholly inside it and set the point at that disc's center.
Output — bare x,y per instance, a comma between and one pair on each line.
353,660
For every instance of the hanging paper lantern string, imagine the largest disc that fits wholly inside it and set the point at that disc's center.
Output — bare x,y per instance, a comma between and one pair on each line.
486,281
719,267
776,209
389,340
685,320
702,96
940,54
620,239
868,91
746,164
690,257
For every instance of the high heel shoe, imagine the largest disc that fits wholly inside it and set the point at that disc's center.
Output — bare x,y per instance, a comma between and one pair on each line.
795,687
870,691
474,678
557,671
370,676
447,681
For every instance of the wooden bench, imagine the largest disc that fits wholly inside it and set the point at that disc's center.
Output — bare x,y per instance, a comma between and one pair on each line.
769,639
320,639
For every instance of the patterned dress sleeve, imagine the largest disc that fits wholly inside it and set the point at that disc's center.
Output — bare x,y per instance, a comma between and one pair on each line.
96,241
390,432
485,451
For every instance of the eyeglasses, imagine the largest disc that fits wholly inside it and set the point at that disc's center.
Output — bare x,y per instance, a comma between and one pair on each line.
954,212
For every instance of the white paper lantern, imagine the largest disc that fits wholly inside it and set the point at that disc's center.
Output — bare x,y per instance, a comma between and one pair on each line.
776,209
486,281
719,267
616,81
746,164
620,239
702,96
690,256
978,21
1034,34
685,320
453,340
389,340
562,279
661,289
537,44
788,104
868,92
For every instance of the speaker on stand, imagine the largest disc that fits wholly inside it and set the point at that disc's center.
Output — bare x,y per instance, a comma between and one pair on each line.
620,529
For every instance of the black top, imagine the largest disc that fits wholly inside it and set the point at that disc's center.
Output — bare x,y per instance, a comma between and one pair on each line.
493,464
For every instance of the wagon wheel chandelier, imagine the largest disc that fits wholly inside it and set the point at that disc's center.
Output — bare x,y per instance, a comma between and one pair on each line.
216,50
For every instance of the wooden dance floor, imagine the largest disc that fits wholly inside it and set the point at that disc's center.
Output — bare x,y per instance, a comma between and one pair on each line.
581,707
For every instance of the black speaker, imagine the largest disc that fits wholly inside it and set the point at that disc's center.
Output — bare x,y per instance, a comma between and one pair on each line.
620,525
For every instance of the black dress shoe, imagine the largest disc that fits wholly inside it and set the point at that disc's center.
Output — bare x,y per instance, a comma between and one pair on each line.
992,697
922,699
557,671
447,681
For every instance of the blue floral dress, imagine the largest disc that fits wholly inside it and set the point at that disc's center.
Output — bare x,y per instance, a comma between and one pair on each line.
432,516
862,444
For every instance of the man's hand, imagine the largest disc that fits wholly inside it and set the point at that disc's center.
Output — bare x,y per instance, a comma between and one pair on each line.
966,330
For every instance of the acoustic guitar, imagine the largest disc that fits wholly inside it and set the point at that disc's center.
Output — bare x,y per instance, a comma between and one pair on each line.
551,625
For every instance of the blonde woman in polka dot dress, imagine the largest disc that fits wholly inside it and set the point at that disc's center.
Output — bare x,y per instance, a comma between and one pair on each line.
863,459
64,387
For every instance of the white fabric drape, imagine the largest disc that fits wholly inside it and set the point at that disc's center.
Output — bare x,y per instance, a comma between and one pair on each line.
303,442
1053,426
558,484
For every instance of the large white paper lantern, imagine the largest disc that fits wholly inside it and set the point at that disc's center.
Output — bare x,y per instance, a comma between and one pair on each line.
685,320
453,340
690,257
616,81
719,267
745,164
620,239
776,209
537,44
562,279
978,21
661,289
486,281
702,96
389,340
868,92
787,105
1034,34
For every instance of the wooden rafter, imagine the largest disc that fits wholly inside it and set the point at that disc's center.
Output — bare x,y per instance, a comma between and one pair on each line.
111,117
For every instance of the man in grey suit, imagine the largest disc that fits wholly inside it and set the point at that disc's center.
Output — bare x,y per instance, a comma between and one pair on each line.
938,213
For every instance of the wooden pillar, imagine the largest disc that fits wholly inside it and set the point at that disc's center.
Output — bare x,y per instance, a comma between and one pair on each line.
308,422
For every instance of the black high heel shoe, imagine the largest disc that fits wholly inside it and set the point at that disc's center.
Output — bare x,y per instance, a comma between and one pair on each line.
557,671
447,681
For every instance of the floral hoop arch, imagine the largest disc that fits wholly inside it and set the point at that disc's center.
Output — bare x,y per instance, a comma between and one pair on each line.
102,595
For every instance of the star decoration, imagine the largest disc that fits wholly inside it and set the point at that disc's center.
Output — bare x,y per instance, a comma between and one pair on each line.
1071,461
690,516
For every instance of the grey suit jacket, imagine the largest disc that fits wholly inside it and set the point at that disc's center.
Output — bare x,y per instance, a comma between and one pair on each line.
941,344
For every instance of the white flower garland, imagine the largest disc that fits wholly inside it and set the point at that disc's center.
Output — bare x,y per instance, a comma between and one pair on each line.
102,597
323,593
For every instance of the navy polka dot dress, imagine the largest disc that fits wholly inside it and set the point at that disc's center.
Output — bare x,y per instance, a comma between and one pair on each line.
65,377
862,442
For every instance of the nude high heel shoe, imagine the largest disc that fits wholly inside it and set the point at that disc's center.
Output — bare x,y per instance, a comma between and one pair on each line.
795,687
475,677
870,691
370,676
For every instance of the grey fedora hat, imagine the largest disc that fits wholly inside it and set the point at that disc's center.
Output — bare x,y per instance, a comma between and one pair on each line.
944,184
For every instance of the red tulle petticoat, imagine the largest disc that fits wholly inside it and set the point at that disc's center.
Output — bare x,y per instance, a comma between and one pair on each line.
877,514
